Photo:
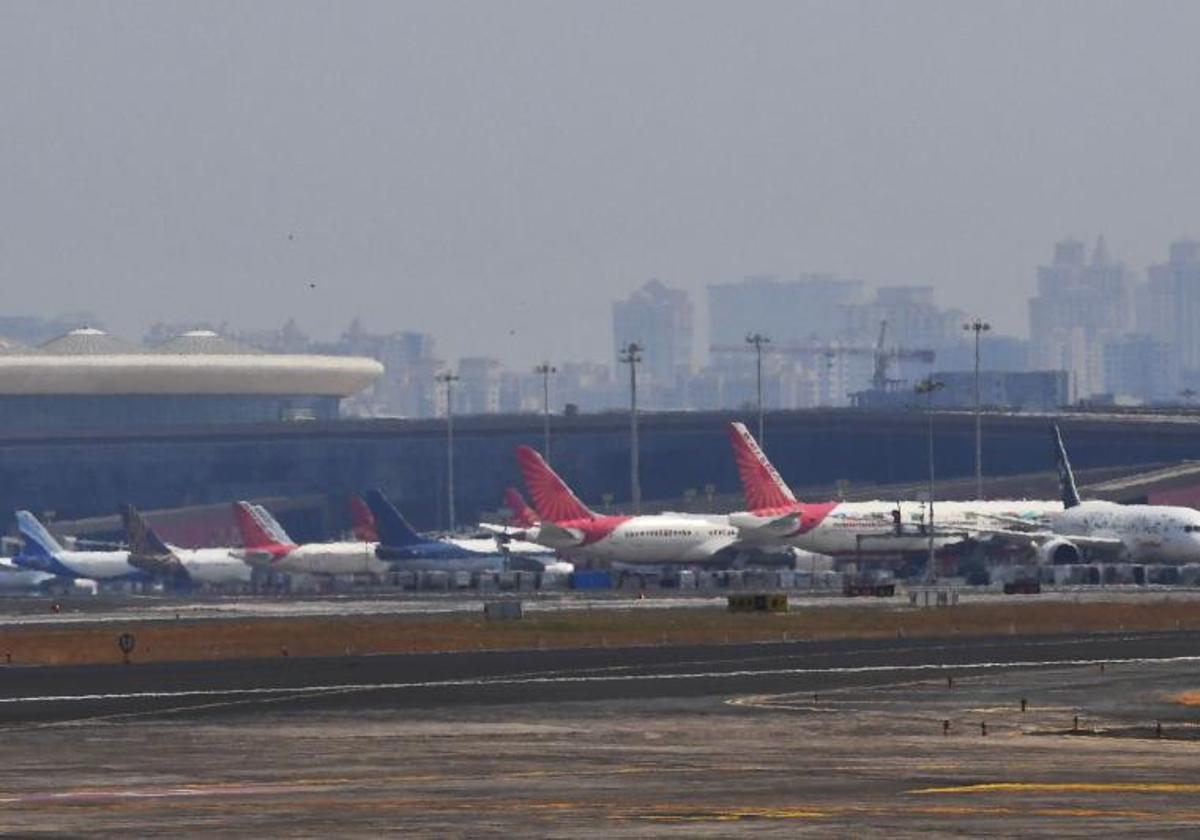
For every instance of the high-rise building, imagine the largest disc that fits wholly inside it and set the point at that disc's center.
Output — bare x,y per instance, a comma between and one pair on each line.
1080,305
478,390
806,309
1141,367
1173,302
661,321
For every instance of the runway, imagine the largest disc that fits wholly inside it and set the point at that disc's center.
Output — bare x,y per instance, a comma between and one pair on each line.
425,681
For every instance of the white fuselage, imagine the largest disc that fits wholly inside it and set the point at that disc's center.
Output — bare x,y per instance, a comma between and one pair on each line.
341,558
213,565
865,528
99,565
1148,533
660,540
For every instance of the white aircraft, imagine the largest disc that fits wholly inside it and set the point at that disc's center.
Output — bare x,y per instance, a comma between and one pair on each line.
1108,530
861,529
199,565
268,546
566,525
44,553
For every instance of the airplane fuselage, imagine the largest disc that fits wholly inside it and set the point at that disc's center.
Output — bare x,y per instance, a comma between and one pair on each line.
856,529
1148,533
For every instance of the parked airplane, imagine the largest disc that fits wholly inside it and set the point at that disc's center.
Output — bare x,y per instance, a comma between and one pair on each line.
404,548
1098,529
199,565
861,529
15,578
268,546
569,526
43,553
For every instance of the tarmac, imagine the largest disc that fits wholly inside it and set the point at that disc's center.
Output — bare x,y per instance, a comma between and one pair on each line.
897,737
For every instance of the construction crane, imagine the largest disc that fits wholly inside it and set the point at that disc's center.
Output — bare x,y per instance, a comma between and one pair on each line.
883,355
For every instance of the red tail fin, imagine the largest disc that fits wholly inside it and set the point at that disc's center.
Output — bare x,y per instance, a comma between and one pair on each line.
761,484
522,515
365,529
254,535
552,498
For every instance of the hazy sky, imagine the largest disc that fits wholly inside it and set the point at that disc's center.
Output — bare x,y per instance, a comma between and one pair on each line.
497,172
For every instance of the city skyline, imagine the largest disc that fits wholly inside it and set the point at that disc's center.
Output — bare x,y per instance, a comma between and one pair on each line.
1109,328
497,174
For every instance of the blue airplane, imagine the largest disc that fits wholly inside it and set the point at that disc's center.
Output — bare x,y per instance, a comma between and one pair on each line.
404,548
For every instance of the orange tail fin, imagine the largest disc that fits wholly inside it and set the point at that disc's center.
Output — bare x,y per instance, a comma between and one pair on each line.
523,515
552,498
365,529
761,484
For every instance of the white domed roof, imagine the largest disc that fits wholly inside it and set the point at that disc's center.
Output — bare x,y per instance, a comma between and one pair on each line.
86,341
205,342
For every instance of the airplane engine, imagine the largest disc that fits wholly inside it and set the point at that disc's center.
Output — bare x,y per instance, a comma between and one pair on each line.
1058,552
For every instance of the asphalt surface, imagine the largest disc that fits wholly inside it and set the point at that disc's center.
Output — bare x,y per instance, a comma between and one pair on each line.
435,681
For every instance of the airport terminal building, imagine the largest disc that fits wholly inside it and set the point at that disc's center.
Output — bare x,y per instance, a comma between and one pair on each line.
90,379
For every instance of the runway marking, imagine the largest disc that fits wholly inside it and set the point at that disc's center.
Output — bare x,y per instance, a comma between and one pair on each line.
585,678
1067,787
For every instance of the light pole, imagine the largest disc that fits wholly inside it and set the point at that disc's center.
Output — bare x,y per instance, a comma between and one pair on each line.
448,379
545,369
631,354
978,327
758,340
928,387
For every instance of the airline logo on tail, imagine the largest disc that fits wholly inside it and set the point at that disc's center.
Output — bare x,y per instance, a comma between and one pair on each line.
256,532
365,529
147,551
761,484
552,498
523,516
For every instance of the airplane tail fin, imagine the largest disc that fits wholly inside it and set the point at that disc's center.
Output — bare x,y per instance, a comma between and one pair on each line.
143,539
38,541
762,485
552,498
394,529
271,525
523,515
254,531
1066,477
365,529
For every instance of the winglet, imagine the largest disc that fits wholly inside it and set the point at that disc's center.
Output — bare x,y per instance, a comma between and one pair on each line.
394,530
1066,477
762,485
523,515
365,529
552,498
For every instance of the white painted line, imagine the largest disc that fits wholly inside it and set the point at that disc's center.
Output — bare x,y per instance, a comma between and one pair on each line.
583,678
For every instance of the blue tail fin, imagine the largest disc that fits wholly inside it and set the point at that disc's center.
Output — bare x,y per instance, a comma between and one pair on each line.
394,529
38,542
1066,478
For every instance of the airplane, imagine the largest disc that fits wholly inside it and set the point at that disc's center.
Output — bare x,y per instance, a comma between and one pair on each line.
404,548
197,565
862,529
43,553
1099,529
569,526
267,545
15,578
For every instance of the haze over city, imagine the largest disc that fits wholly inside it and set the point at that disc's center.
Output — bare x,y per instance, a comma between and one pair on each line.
497,174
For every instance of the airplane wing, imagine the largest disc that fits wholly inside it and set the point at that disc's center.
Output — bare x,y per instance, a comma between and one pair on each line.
753,527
